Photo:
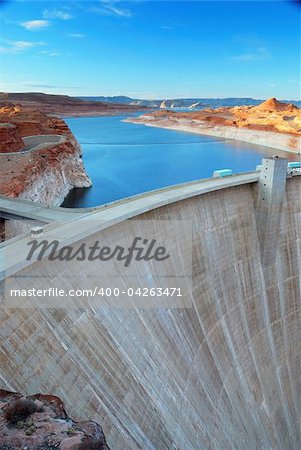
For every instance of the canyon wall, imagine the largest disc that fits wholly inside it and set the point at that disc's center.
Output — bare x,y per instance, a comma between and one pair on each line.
222,374
50,164
55,170
10,138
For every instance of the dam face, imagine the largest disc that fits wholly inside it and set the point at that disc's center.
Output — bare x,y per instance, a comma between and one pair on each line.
222,374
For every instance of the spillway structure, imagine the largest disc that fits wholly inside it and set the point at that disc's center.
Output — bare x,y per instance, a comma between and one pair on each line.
224,372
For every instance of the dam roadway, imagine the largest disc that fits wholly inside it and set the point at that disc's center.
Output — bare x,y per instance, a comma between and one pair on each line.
221,374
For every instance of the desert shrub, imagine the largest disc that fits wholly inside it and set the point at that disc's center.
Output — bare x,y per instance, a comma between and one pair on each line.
19,410
91,444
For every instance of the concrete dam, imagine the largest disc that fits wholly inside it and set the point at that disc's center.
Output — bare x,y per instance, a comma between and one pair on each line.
223,373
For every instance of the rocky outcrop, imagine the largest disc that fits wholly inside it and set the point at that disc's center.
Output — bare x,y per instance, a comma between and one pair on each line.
272,123
272,105
51,168
164,104
40,422
196,105
33,122
10,138
44,175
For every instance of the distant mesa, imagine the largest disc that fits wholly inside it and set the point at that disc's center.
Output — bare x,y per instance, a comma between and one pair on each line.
63,104
194,103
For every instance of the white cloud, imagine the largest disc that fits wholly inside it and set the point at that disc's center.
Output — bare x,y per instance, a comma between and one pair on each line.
75,35
23,44
48,86
38,85
118,11
49,53
248,39
7,50
12,47
254,48
57,14
109,8
254,54
34,25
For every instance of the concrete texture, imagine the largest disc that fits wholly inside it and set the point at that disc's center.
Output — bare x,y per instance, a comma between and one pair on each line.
271,188
223,374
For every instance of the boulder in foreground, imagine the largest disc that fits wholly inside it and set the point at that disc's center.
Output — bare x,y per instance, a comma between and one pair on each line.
40,422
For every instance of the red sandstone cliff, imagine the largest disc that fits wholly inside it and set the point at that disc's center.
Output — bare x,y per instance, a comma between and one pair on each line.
31,122
10,138
46,173
41,422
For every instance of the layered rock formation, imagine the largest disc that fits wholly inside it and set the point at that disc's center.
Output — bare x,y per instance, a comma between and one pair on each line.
40,422
63,104
51,166
272,123
10,138
33,122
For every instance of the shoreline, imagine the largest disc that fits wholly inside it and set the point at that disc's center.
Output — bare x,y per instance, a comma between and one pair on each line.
272,139
78,115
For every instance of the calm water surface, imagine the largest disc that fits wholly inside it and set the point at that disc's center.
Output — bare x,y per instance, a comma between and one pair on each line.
124,159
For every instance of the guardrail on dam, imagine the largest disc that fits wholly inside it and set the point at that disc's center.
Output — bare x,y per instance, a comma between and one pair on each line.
221,374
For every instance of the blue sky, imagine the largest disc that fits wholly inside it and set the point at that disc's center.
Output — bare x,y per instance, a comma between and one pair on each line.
151,49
